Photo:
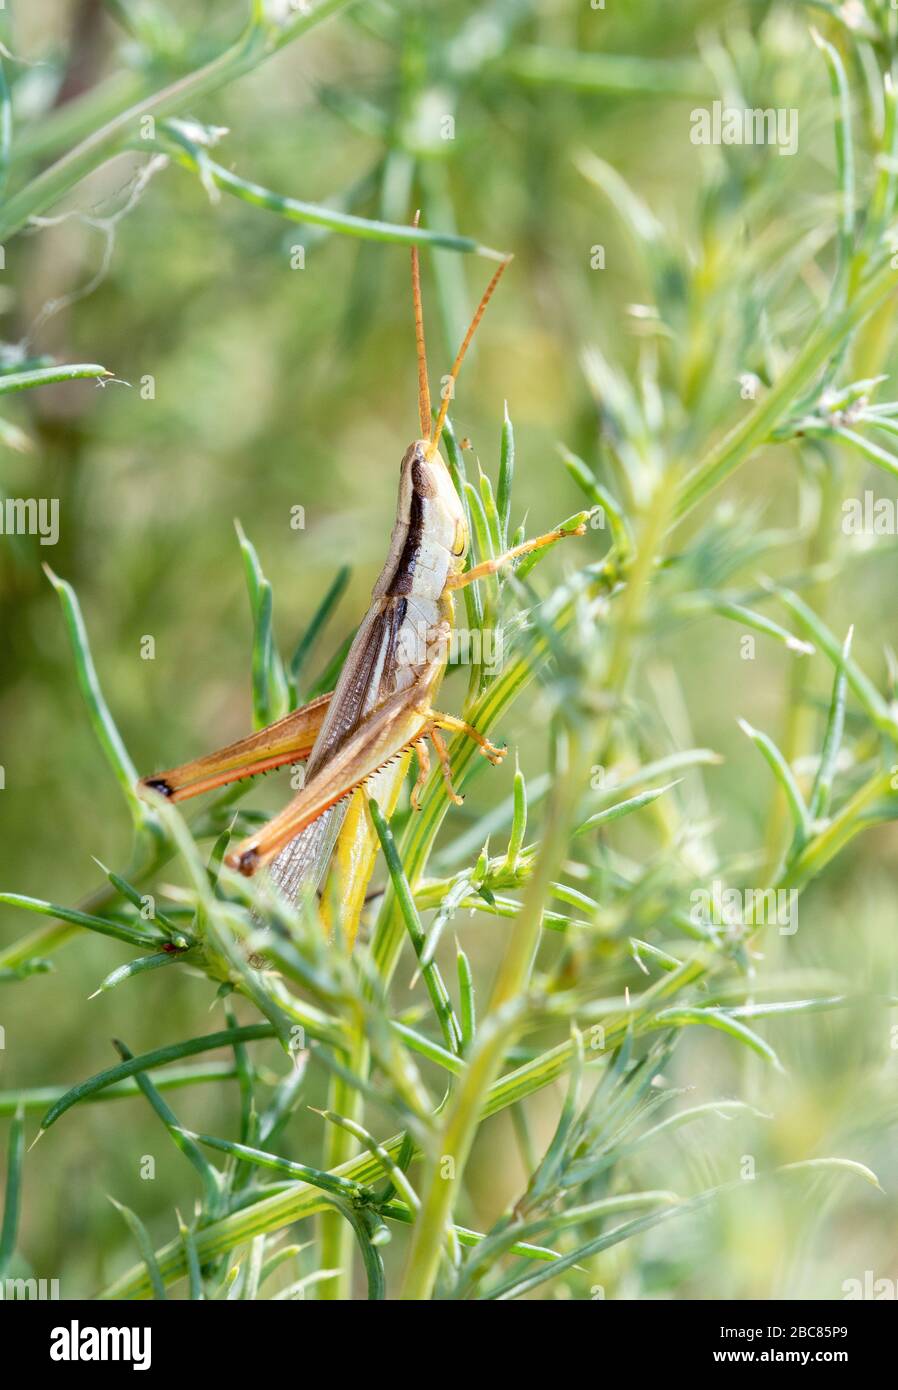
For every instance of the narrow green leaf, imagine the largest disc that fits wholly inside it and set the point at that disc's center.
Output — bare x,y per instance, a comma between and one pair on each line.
194,1273
569,527
506,477
467,1004
862,686
845,1165
488,588
654,953
439,995
297,1290
398,1180
445,912
274,1262
328,678
707,1109
832,739
623,808
47,376
715,1018
143,902
216,858
145,1246
40,1097
872,451
15,974
209,1176
135,967
516,1286
270,687
328,1182
160,1056
103,724
550,1166
471,593
245,1078
284,1100
397,1211
844,148
319,621
601,498
605,72
786,778
518,820
491,512
118,930
295,210
746,617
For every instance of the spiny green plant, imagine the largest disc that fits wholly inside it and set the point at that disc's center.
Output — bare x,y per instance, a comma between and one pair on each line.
605,967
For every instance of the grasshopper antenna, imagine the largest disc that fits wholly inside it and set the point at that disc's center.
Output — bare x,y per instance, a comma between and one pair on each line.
456,366
423,387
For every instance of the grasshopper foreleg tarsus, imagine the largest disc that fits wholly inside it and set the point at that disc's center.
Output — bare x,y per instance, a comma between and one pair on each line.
488,567
453,725
436,739
423,772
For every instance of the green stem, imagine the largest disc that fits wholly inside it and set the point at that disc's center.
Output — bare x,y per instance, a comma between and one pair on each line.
506,1014
337,1241
799,716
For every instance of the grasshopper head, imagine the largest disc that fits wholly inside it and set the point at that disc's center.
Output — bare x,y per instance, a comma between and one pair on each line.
435,539
430,534
427,498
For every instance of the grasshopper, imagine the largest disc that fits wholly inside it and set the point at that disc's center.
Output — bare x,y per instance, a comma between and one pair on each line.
383,706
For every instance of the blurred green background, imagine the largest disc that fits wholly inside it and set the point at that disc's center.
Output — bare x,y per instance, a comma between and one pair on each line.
276,387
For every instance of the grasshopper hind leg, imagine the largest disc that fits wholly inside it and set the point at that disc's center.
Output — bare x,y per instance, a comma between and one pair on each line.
289,740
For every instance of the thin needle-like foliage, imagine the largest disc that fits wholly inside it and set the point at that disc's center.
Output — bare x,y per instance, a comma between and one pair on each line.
634,926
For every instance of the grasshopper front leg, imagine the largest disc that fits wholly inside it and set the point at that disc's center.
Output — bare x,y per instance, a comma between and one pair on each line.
488,567
289,740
